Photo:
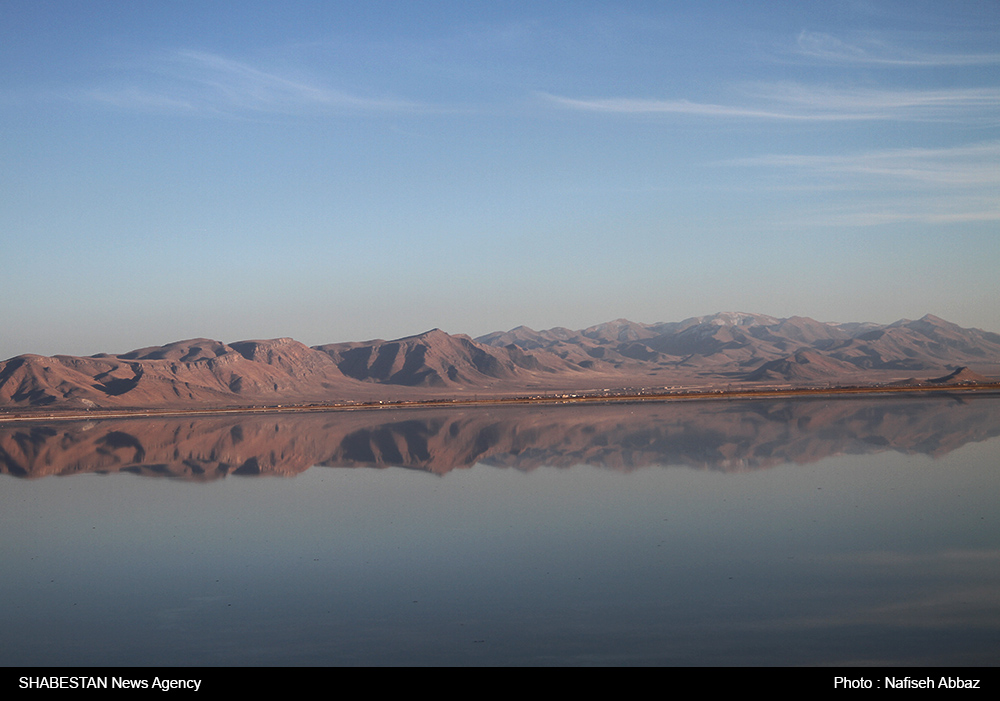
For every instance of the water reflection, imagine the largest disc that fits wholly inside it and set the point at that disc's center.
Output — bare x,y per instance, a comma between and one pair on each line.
717,435
872,537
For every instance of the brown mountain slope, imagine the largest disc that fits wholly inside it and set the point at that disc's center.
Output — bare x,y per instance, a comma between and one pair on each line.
802,367
733,342
700,351
205,372
180,374
960,376
437,359
927,343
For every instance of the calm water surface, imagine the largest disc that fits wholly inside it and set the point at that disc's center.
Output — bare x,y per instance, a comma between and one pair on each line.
725,533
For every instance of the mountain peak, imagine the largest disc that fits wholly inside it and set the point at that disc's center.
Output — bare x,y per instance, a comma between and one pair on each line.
433,334
731,319
932,320
741,319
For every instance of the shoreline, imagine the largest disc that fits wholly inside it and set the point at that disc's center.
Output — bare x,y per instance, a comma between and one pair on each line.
49,415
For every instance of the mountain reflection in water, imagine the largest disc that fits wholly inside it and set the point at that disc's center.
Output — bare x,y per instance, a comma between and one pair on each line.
717,435
809,532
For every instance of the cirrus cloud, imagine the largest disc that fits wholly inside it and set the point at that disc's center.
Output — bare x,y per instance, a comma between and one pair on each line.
796,102
199,82
875,52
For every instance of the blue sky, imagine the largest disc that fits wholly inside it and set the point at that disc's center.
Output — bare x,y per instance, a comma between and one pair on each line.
342,171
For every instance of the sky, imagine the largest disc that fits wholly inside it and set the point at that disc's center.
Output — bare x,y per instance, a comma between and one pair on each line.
337,171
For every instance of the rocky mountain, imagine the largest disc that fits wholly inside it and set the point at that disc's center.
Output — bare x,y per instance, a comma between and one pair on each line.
437,359
194,372
720,349
803,366
960,376
738,345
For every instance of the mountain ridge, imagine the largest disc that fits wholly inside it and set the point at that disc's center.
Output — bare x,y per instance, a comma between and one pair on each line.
707,351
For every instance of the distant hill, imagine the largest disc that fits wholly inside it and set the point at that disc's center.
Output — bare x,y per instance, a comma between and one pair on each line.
960,376
715,350
436,359
738,345
803,366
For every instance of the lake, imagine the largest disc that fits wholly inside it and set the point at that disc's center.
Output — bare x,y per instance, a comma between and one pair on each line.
813,532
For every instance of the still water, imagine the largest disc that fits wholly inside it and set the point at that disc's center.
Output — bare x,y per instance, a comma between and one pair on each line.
798,532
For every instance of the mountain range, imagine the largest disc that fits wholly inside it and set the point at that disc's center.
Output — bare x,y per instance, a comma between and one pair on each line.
721,350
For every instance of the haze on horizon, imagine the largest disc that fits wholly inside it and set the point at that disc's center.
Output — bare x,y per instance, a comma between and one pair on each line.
339,171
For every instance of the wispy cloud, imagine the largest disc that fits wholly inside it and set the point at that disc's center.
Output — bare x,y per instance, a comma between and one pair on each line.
198,82
901,210
832,102
875,52
942,185
959,166
625,105
878,103
796,102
